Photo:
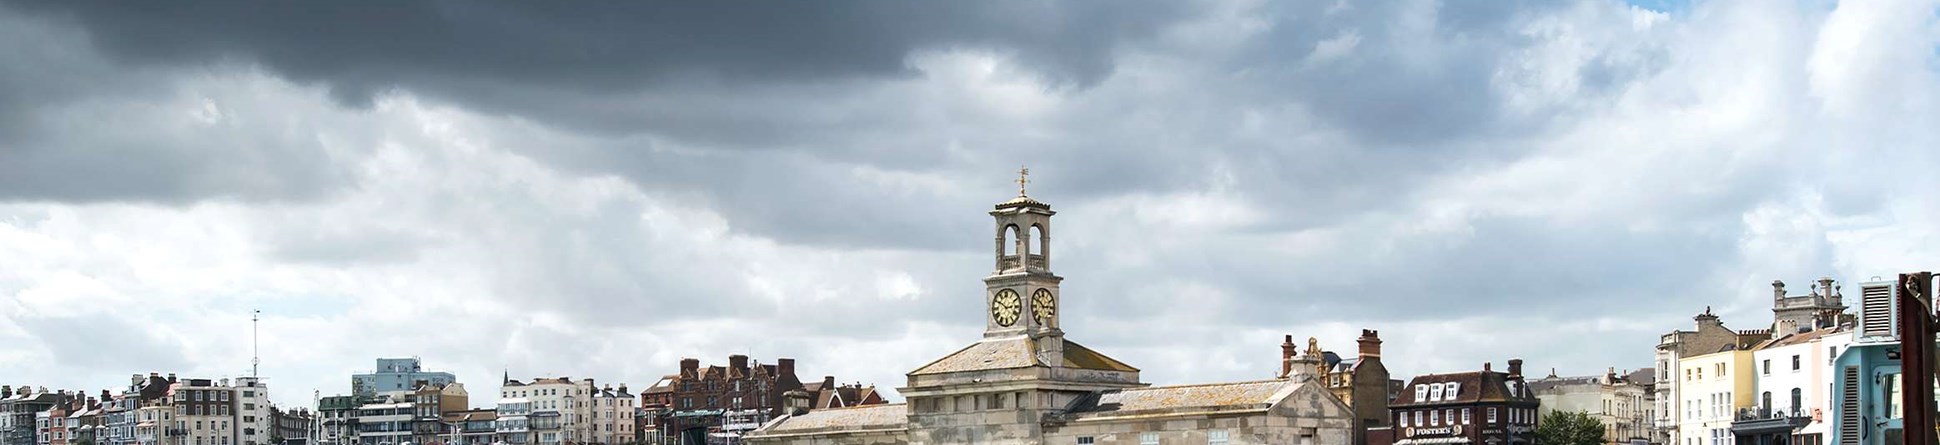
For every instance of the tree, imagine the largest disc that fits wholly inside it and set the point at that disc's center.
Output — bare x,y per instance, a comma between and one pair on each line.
1569,428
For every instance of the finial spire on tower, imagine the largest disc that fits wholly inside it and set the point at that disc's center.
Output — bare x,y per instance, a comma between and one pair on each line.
1023,177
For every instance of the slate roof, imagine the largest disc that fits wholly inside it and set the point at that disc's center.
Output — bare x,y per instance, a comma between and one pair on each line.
1212,396
1015,352
860,418
1476,386
665,385
1645,376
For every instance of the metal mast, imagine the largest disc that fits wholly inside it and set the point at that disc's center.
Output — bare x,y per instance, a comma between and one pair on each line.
255,354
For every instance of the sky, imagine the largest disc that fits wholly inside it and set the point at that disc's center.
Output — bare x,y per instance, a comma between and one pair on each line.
598,191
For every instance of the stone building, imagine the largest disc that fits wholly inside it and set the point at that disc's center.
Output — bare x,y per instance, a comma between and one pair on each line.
1025,383
1361,382
1619,401
1480,407
1823,307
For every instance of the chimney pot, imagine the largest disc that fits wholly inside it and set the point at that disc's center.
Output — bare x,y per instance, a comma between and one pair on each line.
1286,356
1515,368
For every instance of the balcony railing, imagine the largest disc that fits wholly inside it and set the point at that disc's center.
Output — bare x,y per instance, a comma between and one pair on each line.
1768,413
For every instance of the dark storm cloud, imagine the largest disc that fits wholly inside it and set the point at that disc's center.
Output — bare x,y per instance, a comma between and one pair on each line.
363,48
77,128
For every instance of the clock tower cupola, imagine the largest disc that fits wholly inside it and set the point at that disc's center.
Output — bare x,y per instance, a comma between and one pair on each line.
1022,294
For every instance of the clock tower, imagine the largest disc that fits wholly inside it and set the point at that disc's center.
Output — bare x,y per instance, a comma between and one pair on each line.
1021,294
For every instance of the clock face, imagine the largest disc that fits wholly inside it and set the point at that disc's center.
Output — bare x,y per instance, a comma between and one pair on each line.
1043,307
1005,307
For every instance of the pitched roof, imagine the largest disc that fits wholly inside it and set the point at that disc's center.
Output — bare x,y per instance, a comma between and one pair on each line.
1645,376
861,418
1016,352
1475,386
1800,337
1213,396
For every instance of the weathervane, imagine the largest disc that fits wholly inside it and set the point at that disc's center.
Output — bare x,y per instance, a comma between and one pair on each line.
1023,177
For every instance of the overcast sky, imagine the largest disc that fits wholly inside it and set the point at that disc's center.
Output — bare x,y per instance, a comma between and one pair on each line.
601,192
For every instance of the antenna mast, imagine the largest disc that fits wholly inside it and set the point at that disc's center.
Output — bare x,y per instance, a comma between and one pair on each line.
255,353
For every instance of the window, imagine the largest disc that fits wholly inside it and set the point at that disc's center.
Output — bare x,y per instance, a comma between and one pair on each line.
1465,419
1148,439
1767,366
1418,418
1798,401
1435,392
1434,417
1216,437
1491,414
1795,363
1453,388
1421,392
1084,440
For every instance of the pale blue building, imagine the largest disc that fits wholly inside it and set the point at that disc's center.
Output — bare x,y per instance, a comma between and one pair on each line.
396,374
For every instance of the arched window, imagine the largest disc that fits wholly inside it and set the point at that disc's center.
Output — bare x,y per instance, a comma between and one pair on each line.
1012,240
1765,400
1798,401
1038,238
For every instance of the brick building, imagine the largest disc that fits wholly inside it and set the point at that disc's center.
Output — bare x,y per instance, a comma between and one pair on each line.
716,401
699,400
1361,382
1481,408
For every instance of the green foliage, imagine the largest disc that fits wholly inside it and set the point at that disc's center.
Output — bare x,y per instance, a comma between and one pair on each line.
1569,428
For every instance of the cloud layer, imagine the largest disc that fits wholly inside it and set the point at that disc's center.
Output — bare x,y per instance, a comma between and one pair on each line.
600,192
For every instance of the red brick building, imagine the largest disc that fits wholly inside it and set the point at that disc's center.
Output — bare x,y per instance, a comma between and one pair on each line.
700,403
1479,408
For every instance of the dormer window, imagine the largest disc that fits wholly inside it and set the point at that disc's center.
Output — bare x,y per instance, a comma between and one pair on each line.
1453,389
1435,392
1421,393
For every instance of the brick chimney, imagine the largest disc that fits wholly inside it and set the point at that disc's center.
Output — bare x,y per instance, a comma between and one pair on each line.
738,362
171,377
1286,356
1370,342
785,366
828,382
1515,368
690,366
